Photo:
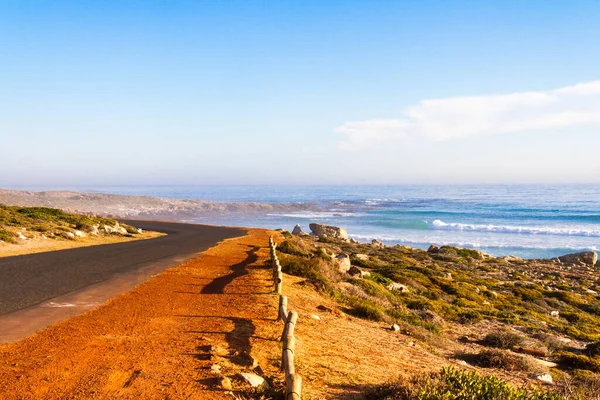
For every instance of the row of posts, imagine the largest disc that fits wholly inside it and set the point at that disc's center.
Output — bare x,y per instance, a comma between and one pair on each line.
293,381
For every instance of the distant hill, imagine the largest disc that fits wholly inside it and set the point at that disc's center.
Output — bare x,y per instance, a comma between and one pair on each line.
139,207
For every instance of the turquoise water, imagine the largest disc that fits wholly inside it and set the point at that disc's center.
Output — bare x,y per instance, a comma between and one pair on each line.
531,221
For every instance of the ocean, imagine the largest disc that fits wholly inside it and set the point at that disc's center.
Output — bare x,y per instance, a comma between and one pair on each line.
529,221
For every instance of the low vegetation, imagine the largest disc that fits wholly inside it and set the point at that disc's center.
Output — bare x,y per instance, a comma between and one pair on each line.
455,384
518,316
22,223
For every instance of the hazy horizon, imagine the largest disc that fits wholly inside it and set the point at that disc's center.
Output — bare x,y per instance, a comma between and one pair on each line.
212,93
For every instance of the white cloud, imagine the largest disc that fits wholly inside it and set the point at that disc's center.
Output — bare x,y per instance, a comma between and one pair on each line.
459,117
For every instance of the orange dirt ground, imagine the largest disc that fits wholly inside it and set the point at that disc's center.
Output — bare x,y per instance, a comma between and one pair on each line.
160,340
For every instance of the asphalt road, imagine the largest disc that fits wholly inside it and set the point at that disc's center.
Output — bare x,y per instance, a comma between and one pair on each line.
31,279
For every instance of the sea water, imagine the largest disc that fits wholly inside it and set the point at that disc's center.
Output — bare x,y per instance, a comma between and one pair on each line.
530,221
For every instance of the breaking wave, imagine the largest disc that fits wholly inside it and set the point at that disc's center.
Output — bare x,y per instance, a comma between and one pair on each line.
529,230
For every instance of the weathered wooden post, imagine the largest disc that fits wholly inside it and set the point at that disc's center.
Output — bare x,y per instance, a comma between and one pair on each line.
279,282
276,267
282,311
293,387
287,356
290,323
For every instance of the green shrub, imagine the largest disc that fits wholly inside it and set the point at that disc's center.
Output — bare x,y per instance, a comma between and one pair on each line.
7,236
301,267
593,349
289,247
469,317
502,340
576,361
502,359
365,309
455,384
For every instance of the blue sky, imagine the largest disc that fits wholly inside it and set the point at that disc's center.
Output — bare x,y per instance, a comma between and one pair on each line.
306,92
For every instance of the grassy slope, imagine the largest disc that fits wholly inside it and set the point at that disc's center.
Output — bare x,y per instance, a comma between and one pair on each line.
460,295
24,230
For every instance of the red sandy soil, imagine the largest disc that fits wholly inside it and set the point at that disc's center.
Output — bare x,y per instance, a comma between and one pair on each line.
160,340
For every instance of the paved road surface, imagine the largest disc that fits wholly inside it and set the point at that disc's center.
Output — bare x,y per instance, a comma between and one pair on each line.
31,279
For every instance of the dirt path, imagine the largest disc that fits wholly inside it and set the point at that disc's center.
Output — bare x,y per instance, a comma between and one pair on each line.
158,341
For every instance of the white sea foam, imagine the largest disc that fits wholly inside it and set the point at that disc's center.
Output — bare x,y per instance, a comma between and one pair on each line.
531,230
474,245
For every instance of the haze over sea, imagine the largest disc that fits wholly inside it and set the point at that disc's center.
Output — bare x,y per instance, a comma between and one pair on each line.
529,221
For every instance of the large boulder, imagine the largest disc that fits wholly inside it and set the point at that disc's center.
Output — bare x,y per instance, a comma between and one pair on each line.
586,257
329,231
343,262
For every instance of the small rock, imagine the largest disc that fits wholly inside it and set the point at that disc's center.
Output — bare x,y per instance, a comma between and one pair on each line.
395,327
398,287
354,271
253,379
297,230
21,236
362,257
69,235
224,382
80,234
544,377
139,230
316,317
448,275
554,313
215,369
352,240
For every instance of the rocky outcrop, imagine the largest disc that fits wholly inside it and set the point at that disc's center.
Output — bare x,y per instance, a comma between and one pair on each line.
377,243
328,231
586,258
361,257
114,229
297,230
433,249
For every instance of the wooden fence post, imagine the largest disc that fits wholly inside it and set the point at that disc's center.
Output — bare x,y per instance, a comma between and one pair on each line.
293,387
282,311
279,282
290,323
287,356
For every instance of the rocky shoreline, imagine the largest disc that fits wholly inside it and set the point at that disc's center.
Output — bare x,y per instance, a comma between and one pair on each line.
584,258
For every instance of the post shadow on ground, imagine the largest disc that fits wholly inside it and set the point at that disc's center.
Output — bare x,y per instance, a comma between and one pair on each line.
238,340
217,286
